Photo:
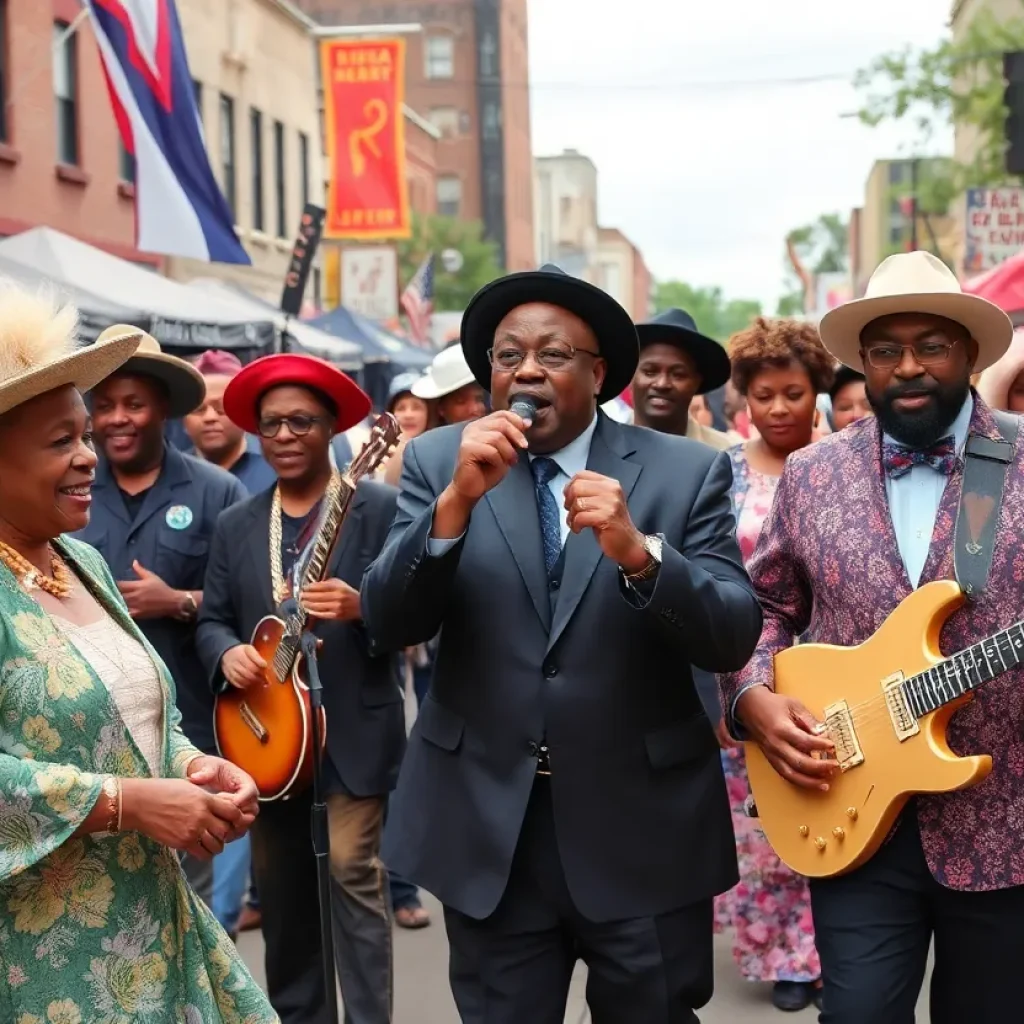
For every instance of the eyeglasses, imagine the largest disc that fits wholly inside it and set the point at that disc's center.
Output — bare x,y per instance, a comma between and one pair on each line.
507,360
298,425
927,353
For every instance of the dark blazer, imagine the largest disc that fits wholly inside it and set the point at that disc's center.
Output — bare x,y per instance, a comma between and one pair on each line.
362,693
640,803
177,552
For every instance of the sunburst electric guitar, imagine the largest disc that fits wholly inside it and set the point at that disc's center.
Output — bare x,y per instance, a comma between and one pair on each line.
267,729
885,705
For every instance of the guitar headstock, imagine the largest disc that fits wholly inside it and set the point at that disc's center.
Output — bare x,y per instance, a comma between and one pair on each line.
384,437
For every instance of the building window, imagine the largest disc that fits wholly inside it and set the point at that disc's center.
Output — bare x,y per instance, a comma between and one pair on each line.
256,159
227,152
65,91
446,121
304,167
440,57
449,196
197,91
896,169
125,164
492,121
5,128
279,199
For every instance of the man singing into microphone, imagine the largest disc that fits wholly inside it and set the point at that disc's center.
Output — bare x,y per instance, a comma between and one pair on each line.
562,793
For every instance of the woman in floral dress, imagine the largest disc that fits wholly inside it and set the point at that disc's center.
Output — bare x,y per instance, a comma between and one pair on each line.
98,785
779,366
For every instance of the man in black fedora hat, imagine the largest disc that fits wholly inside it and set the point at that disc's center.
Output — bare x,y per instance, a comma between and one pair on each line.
562,792
677,363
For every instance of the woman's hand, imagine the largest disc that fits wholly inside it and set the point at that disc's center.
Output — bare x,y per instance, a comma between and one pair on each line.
226,779
178,814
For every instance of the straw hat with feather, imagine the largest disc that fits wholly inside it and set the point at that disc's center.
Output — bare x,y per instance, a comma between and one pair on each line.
915,282
38,351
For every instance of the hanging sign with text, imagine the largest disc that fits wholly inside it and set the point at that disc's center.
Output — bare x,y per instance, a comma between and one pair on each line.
364,92
994,227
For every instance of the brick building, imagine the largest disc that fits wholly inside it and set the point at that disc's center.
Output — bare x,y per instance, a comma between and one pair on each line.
61,160
467,72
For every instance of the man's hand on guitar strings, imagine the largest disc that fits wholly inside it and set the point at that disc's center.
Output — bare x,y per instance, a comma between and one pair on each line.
787,733
332,599
243,666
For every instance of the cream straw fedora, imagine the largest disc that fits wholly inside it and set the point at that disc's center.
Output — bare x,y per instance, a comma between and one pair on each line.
38,352
448,372
915,282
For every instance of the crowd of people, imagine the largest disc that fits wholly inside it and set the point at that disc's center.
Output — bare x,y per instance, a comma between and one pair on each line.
583,601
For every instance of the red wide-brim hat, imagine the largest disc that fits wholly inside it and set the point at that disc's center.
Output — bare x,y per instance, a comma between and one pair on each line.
252,382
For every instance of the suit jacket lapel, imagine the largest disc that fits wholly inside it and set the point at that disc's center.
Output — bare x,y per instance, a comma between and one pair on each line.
257,540
347,551
609,454
514,505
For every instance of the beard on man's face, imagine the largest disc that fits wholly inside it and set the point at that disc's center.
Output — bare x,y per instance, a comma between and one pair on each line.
919,428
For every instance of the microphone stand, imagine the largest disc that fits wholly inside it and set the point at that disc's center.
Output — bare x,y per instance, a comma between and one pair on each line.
321,832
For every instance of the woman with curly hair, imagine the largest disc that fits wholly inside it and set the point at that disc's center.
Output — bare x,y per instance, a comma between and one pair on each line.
779,367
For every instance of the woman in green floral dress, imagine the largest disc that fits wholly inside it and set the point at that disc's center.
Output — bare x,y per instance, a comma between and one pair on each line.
98,786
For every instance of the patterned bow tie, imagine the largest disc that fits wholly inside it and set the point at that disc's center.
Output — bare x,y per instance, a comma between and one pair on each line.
898,460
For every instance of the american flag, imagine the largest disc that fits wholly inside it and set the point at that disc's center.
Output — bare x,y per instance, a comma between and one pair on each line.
418,301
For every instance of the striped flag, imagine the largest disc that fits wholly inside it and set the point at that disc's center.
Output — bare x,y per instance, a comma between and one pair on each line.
418,302
179,208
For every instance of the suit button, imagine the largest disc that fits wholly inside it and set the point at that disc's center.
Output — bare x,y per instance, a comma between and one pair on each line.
554,584
550,670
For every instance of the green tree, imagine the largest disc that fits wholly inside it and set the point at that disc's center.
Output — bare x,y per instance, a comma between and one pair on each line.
715,316
822,248
452,291
958,83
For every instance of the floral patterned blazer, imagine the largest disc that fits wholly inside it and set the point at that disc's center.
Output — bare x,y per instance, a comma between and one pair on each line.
93,930
827,563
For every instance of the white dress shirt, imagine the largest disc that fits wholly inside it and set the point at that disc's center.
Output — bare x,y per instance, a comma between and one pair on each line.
914,500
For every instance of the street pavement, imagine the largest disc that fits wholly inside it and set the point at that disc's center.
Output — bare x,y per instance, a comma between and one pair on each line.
422,995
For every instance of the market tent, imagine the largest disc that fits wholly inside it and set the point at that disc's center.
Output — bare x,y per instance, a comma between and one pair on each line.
385,355
1003,285
346,355
182,320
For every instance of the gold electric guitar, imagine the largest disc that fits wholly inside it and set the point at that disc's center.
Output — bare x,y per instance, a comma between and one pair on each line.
885,705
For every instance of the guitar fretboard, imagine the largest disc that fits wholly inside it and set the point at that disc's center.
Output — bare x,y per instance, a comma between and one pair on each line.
965,671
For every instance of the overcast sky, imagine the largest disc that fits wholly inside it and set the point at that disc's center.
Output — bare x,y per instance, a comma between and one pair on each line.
707,179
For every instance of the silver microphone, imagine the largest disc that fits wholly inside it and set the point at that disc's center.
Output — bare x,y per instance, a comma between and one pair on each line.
525,407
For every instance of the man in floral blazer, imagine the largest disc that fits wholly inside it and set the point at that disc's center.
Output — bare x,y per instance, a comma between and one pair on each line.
860,520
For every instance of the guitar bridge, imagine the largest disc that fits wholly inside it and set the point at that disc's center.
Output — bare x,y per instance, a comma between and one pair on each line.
249,717
904,721
839,728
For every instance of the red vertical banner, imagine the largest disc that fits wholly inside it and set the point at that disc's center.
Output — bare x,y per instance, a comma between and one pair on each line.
364,91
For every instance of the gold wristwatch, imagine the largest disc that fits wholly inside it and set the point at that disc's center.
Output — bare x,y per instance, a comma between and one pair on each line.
653,544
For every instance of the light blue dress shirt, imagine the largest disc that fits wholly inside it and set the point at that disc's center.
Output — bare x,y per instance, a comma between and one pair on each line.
914,500
571,460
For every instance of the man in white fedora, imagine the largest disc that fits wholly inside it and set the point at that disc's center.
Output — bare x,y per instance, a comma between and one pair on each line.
862,519
451,389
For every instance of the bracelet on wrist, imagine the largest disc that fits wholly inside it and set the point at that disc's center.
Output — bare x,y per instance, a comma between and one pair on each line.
110,794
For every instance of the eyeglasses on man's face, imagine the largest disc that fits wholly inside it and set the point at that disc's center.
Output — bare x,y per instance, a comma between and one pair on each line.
887,355
508,358
299,425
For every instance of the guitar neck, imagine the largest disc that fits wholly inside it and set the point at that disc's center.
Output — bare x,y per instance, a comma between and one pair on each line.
964,671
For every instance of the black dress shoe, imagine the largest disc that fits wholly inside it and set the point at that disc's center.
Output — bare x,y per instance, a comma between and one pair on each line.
792,996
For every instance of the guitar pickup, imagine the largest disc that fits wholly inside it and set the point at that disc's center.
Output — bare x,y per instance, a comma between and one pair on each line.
839,728
904,721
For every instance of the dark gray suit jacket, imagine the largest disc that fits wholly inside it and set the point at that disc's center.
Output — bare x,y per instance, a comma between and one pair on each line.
641,810
362,696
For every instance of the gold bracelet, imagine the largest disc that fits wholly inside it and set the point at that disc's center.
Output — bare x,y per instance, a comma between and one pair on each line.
111,791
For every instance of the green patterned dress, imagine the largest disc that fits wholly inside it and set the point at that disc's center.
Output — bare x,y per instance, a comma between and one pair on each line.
93,930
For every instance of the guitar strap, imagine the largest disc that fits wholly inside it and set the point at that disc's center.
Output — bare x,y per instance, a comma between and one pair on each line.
986,462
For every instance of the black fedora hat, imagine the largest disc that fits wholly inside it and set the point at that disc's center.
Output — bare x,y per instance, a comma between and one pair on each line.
844,375
616,335
677,327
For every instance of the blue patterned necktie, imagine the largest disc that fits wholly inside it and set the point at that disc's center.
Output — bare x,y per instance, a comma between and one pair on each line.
544,471
898,460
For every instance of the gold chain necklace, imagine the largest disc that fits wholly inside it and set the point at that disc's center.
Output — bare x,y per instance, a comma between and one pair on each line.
60,586
277,580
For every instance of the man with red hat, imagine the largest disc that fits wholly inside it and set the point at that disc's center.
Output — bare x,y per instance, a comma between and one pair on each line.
296,405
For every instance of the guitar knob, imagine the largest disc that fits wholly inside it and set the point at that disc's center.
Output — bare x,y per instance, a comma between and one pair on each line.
851,813
804,831
820,843
839,833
